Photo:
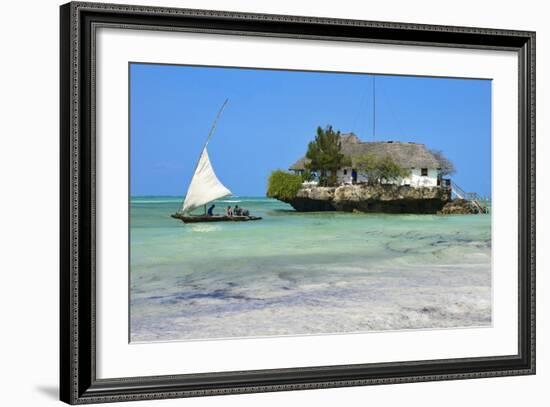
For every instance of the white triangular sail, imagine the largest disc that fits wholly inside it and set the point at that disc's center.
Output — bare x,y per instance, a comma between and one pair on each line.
204,187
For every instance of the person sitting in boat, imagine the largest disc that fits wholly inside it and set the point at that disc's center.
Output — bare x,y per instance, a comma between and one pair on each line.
245,212
211,210
237,210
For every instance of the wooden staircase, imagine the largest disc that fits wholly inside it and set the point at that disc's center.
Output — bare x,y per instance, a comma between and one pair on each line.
468,196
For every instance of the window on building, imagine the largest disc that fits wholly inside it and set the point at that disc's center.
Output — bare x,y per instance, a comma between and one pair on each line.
345,172
424,172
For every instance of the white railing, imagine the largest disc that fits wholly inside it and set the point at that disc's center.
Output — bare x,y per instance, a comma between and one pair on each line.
468,196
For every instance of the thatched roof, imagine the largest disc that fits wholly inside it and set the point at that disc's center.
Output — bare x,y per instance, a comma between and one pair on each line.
406,154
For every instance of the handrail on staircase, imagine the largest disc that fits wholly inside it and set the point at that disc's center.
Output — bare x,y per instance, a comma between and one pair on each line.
469,196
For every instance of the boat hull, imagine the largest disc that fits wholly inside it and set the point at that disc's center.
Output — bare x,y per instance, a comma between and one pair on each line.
215,218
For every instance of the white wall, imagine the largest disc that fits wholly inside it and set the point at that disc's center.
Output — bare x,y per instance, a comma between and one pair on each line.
417,180
347,178
29,205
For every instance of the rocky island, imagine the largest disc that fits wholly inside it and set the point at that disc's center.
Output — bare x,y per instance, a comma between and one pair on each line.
341,173
367,198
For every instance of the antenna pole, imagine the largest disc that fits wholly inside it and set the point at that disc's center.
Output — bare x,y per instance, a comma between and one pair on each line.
374,107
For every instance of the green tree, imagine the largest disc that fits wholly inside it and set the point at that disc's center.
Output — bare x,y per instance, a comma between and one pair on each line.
283,185
380,170
306,176
325,155
368,165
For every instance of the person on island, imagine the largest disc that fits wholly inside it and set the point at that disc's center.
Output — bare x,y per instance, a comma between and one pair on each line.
211,210
229,211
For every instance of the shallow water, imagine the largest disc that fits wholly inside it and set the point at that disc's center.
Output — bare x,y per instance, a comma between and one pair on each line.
304,273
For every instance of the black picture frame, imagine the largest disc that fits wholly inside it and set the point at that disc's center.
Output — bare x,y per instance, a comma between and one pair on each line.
78,382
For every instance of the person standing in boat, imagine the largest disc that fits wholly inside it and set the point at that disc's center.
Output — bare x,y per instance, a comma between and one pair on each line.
229,211
211,210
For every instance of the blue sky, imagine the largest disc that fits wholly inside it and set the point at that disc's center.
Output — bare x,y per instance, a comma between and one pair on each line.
272,115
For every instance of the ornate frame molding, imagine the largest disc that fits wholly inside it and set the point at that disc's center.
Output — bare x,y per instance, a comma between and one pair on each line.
79,384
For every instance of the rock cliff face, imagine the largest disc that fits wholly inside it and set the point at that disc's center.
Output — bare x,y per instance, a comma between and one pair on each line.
367,198
459,207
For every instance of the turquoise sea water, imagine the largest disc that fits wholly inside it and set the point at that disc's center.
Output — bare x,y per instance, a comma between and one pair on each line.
303,273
